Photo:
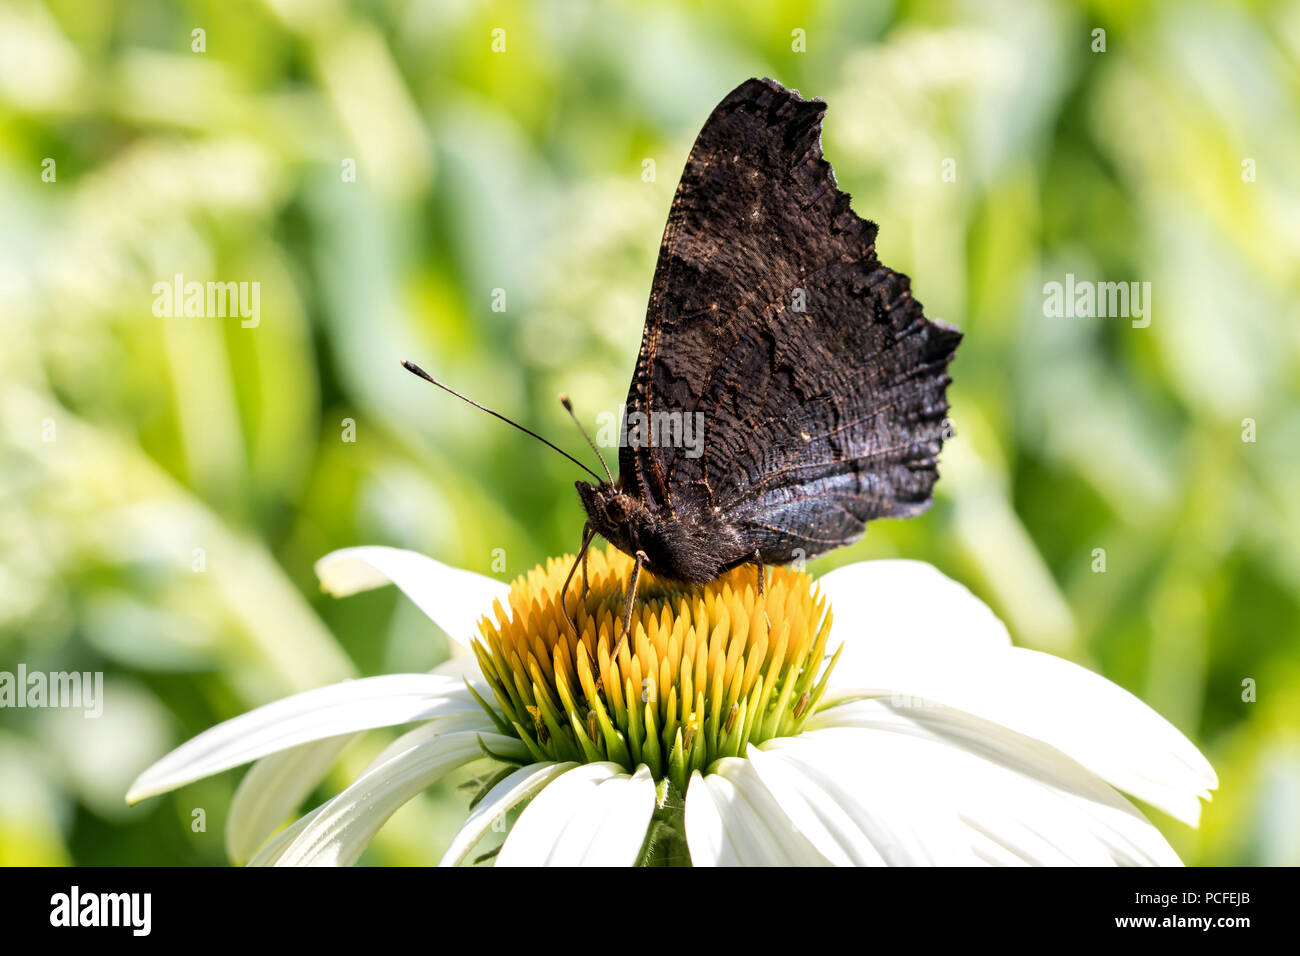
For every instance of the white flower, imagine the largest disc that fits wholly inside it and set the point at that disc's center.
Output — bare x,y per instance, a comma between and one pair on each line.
722,730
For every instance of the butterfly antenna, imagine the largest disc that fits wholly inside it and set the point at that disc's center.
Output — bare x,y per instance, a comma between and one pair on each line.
568,407
416,370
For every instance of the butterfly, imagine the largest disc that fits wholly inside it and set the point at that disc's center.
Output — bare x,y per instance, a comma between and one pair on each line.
819,383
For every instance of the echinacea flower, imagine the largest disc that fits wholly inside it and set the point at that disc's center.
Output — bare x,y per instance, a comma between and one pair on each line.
729,728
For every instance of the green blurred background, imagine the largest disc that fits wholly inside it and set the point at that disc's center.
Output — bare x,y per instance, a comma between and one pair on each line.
522,170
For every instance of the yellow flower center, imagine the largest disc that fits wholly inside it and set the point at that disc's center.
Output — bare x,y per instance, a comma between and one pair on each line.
705,671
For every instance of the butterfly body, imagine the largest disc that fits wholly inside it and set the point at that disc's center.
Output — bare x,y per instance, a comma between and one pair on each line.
818,381
691,547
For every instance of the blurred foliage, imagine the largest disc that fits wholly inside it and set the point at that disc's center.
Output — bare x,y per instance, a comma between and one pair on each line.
522,170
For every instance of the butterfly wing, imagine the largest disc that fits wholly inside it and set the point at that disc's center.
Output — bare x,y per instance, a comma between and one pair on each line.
820,383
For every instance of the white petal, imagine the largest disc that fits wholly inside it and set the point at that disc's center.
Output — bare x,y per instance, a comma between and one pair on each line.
619,838
881,605
612,826
273,788
706,832
342,829
274,848
595,814
1017,799
903,823
1085,716
532,838
452,598
508,793
312,715
271,852
816,815
758,832
747,838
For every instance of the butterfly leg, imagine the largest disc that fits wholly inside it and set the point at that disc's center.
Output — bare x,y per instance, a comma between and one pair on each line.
762,582
587,535
641,559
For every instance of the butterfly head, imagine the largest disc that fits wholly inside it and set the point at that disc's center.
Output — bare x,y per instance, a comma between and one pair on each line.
612,512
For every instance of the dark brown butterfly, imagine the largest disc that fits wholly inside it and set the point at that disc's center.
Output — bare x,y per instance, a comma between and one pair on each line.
819,382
